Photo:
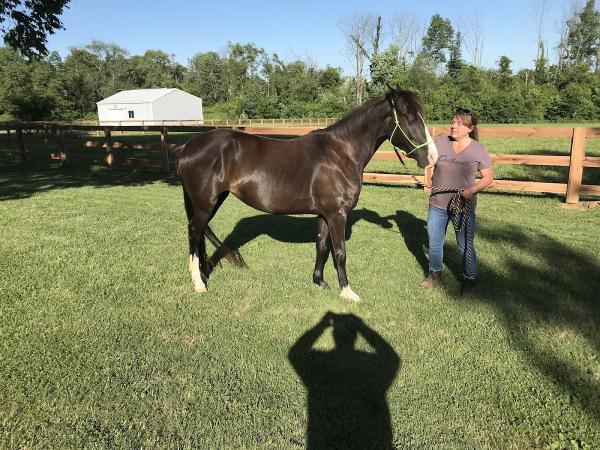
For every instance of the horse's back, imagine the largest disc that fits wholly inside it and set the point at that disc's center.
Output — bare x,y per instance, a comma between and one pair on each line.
204,143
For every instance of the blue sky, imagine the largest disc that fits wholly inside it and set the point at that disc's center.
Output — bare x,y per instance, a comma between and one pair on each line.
292,29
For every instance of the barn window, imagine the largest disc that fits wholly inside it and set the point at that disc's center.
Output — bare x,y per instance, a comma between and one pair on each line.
130,114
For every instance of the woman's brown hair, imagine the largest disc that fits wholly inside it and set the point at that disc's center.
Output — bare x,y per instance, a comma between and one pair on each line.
469,119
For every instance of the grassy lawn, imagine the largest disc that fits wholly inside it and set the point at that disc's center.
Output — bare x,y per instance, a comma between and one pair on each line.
104,343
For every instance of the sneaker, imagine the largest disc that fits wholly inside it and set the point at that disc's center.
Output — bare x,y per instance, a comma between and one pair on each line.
433,279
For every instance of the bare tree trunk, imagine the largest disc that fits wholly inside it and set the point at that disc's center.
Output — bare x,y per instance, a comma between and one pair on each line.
539,11
361,34
407,33
475,38
359,75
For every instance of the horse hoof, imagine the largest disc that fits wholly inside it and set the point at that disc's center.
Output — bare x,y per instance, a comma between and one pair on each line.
200,289
199,285
322,284
349,294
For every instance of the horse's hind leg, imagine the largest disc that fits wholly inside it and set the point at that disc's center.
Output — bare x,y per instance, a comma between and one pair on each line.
337,230
322,252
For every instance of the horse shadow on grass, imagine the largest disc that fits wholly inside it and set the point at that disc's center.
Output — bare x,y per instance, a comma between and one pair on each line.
414,233
290,229
346,387
541,285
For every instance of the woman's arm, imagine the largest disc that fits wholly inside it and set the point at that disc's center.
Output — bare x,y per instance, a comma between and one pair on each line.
487,178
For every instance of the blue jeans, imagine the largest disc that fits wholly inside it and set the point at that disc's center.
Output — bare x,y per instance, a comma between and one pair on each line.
437,223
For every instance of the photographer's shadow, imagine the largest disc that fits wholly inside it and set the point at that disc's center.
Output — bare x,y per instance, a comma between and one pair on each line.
347,405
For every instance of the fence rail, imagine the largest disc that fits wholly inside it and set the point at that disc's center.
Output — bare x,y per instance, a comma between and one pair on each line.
572,189
292,122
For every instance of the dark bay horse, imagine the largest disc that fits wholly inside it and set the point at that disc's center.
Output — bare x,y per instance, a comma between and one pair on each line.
318,173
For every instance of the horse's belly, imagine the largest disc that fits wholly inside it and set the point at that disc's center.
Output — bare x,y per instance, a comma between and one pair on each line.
273,198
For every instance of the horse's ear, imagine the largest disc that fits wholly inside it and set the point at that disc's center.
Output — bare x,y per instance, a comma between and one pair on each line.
389,86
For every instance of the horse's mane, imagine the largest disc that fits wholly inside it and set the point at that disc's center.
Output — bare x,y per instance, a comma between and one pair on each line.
403,99
356,116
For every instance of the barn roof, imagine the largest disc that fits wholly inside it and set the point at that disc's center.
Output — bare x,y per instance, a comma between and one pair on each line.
138,95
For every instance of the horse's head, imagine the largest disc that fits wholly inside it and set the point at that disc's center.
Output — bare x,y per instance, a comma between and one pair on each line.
408,130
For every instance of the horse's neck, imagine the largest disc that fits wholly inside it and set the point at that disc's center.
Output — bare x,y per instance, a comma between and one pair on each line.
367,135
371,134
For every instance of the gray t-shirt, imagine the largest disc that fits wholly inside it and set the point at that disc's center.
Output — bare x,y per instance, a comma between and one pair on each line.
456,170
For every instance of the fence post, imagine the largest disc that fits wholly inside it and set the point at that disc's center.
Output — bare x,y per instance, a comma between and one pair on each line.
61,144
164,143
19,133
109,155
576,165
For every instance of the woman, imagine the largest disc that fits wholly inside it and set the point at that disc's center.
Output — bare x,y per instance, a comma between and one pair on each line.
460,157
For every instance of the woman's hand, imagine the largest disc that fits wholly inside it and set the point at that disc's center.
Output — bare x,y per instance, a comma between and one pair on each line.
487,178
466,193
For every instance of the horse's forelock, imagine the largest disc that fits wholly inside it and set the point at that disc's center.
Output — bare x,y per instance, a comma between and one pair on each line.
411,100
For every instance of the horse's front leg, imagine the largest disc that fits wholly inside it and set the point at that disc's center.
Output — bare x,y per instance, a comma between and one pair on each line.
337,231
322,252
198,258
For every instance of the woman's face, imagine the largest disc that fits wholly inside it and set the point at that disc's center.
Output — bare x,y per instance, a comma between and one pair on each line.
458,130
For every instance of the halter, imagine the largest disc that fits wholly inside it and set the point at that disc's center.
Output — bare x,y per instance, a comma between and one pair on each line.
398,127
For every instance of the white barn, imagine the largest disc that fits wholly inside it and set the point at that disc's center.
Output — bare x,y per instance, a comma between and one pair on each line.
150,107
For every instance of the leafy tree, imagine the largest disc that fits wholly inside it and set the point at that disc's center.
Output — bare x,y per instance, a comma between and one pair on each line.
27,90
583,36
206,78
504,72
332,104
455,60
29,23
329,78
243,62
541,73
155,69
255,103
94,72
383,67
437,41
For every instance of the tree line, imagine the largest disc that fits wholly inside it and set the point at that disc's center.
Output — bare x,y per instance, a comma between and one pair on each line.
246,81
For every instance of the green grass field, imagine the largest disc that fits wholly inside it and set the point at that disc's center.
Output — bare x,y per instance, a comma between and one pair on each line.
104,343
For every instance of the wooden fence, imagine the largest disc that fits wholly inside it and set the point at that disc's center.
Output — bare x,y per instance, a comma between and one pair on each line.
319,122
572,189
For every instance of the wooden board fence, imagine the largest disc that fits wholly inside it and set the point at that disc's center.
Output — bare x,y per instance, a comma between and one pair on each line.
575,161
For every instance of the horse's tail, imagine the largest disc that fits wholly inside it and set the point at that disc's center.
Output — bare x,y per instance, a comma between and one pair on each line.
178,151
233,256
